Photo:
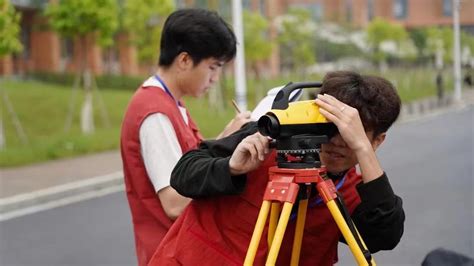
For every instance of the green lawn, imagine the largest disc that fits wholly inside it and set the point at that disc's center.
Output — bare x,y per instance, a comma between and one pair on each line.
416,83
42,110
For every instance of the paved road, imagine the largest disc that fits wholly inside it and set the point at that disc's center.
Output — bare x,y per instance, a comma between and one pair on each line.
429,162
93,232
430,165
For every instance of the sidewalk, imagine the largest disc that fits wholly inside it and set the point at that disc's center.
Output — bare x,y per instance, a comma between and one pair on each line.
37,187
33,188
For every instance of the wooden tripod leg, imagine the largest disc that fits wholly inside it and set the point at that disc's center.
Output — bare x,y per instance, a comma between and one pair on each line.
257,233
346,232
299,231
279,233
272,223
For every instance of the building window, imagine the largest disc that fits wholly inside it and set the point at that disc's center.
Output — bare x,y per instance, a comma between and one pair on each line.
110,59
180,4
252,6
400,9
25,38
67,53
225,10
349,10
201,4
262,7
315,9
246,4
370,10
448,8
67,48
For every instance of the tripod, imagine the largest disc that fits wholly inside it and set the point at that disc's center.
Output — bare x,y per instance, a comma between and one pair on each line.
297,171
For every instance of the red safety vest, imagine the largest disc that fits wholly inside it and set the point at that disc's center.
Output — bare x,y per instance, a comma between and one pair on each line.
149,219
217,230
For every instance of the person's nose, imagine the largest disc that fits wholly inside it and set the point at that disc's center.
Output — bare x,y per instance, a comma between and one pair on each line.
337,141
214,77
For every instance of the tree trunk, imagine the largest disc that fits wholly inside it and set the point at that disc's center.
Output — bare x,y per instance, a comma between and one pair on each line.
16,122
383,67
2,133
72,101
2,130
259,88
215,96
87,115
103,109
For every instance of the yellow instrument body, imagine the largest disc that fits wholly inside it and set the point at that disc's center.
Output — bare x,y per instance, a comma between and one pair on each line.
303,112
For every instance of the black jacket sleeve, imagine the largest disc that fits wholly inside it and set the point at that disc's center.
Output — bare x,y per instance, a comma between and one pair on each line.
379,217
205,171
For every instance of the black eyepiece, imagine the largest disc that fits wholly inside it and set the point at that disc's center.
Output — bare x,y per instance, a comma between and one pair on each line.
268,125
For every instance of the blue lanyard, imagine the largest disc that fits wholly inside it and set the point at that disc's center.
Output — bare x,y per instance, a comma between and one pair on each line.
317,201
167,90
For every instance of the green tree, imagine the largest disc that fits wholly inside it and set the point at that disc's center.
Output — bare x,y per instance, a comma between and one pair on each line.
467,41
297,39
379,31
257,45
443,38
143,20
85,20
9,29
419,37
256,41
440,40
9,43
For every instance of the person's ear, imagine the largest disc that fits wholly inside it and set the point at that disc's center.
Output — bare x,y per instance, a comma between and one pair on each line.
378,140
184,61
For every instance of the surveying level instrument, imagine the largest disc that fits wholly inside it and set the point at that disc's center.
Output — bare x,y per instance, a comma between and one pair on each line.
298,130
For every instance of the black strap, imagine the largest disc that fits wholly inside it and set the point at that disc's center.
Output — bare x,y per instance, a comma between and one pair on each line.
347,217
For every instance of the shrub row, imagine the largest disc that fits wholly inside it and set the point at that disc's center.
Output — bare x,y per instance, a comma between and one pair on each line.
103,81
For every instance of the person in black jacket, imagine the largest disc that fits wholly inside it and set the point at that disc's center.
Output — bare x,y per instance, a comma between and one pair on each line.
363,108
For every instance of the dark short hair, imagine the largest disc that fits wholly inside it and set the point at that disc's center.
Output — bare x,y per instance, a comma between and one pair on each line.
199,32
375,98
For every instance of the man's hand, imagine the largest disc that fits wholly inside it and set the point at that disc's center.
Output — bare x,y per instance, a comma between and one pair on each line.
352,131
347,120
249,154
235,124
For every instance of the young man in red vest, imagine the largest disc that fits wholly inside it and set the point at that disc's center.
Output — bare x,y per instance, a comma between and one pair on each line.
227,179
157,129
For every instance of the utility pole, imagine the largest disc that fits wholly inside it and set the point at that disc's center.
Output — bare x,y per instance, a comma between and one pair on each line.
457,52
239,65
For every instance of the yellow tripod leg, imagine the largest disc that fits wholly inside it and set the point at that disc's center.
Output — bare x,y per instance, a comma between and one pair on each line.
257,233
299,230
272,224
279,233
346,232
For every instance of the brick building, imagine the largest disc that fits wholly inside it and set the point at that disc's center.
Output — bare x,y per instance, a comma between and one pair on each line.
357,13
45,51
409,13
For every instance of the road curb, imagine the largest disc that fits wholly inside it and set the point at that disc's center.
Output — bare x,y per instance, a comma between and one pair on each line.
432,106
22,204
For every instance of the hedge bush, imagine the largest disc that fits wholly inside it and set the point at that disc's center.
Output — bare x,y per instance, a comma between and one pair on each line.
103,81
